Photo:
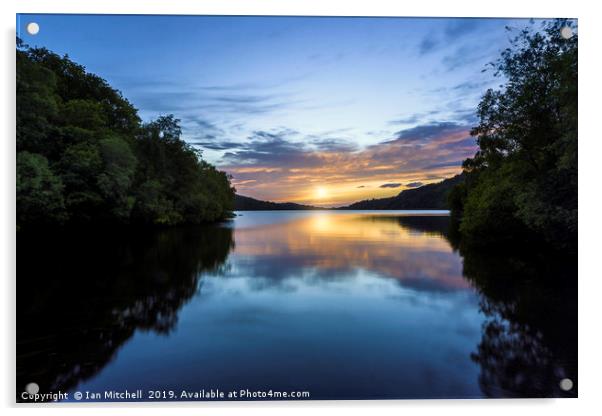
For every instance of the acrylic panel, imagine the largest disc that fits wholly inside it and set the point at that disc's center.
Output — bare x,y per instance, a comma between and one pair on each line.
295,208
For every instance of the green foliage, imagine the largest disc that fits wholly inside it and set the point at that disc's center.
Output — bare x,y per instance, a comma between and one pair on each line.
523,178
84,114
39,191
84,157
179,186
116,179
489,209
37,103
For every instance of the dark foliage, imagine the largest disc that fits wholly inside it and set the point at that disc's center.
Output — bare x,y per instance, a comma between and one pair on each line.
529,299
85,157
522,182
529,340
245,203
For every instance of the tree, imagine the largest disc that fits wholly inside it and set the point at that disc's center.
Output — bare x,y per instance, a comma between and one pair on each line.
37,103
523,178
116,179
39,192
176,185
84,157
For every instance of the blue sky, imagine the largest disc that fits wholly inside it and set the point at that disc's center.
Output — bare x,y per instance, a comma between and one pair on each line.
314,110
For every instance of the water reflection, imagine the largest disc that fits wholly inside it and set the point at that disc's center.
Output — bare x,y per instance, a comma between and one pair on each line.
529,340
408,248
81,296
345,305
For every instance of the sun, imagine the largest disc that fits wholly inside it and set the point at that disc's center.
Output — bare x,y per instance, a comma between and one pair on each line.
320,192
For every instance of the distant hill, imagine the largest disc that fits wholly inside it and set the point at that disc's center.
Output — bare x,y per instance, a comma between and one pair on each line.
245,203
432,196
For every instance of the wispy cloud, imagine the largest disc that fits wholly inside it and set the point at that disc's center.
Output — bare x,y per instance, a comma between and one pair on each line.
427,132
451,32
414,118
390,185
428,44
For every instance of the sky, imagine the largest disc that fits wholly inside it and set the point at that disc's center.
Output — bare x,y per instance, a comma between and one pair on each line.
315,110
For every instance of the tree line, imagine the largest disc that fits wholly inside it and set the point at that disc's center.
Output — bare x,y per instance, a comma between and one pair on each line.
85,157
521,185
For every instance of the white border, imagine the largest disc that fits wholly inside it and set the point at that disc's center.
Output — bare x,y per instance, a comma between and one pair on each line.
590,153
514,8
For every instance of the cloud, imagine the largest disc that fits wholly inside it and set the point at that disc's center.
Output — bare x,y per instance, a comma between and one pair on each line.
460,43
457,28
424,133
390,185
414,118
468,86
454,111
466,55
203,123
468,142
287,165
453,32
334,144
169,96
271,149
201,114
466,116
215,145
244,98
414,184
445,164
209,113
283,146
428,44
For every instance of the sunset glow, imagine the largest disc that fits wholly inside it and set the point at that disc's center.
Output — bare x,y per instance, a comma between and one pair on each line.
321,192
330,242
321,111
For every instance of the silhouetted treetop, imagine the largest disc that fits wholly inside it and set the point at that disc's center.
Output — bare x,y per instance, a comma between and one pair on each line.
522,182
85,157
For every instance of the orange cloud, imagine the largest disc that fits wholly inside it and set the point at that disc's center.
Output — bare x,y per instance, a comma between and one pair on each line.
273,167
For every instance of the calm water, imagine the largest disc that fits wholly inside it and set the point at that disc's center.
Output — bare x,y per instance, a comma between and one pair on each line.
343,305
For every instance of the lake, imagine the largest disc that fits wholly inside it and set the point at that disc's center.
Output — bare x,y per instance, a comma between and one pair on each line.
317,304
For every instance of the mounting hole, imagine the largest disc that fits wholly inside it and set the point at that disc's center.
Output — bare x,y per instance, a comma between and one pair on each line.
566,384
566,32
33,28
32,388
